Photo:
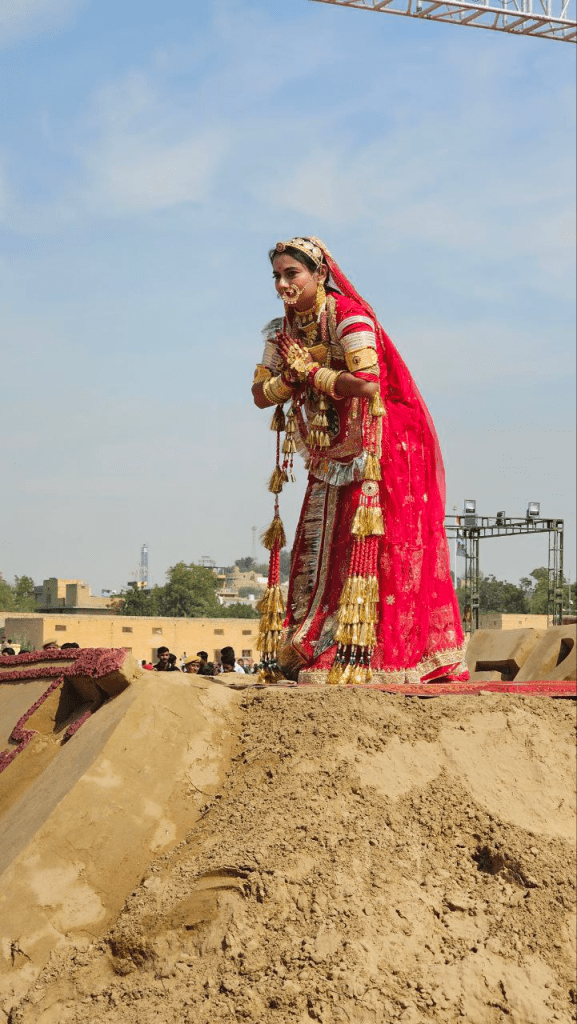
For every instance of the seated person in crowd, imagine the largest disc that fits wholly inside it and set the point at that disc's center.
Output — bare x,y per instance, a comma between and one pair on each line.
227,660
203,658
164,663
228,654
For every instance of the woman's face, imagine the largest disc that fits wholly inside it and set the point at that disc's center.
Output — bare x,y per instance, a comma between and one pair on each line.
295,284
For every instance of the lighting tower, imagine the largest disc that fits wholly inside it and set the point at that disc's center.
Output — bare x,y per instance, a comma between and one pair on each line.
548,19
143,573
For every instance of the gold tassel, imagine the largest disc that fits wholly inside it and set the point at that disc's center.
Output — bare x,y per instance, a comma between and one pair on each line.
356,676
346,676
276,481
359,520
335,674
278,421
372,468
274,535
376,519
271,607
368,522
343,634
376,407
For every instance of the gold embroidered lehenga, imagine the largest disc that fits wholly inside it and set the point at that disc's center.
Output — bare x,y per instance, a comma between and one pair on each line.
370,594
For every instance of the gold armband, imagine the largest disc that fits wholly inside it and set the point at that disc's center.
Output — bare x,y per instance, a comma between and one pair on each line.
276,391
261,374
362,359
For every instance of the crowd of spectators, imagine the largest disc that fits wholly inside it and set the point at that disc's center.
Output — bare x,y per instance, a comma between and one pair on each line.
199,664
167,662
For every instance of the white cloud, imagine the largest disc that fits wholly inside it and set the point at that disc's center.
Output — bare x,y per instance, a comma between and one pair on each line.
21,18
146,153
138,175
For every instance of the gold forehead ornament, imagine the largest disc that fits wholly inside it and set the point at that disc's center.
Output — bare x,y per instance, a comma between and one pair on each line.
305,245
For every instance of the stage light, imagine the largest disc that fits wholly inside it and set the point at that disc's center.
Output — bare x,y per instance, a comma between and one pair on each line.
533,510
470,510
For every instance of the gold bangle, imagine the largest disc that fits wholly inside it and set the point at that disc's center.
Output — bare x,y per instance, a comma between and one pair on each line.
325,381
276,391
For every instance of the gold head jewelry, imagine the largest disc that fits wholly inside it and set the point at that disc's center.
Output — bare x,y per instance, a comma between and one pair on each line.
306,245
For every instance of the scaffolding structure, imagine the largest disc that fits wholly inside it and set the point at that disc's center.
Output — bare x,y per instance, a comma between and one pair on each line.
547,19
471,529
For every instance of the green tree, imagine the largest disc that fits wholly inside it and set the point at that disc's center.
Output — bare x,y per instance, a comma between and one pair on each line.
238,611
24,594
536,588
138,602
18,597
285,565
190,592
246,564
6,596
499,596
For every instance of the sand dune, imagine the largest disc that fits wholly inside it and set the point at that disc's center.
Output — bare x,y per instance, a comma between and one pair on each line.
365,858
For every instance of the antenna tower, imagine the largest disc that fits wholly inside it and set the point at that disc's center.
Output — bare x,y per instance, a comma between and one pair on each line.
143,568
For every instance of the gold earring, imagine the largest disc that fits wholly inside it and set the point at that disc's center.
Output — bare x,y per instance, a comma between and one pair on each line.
320,296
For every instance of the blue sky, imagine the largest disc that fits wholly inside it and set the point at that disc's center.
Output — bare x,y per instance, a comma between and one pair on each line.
151,154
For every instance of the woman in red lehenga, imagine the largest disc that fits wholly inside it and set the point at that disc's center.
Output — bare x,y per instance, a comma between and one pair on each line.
370,595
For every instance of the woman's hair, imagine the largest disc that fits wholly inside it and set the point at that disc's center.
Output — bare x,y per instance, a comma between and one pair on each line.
299,255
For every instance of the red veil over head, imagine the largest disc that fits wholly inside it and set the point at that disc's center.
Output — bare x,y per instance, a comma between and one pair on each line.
401,385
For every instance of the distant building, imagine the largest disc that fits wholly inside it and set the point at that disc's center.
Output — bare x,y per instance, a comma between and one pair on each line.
229,585
69,596
511,620
142,635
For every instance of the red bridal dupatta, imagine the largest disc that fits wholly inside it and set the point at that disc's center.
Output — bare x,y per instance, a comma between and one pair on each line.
370,596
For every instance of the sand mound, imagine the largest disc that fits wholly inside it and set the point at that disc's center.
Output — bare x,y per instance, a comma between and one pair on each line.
370,859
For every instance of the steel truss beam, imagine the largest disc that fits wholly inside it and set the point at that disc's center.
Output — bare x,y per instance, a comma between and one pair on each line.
470,529
547,19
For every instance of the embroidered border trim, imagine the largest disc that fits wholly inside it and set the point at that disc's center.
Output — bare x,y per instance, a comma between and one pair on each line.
339,474
409,676
330,508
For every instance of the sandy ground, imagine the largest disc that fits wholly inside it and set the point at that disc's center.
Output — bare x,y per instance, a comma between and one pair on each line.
369,859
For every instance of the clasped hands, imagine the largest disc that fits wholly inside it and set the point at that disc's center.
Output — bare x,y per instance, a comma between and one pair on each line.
298,362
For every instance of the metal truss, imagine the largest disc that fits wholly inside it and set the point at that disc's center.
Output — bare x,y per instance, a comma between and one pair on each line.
470,529
547,19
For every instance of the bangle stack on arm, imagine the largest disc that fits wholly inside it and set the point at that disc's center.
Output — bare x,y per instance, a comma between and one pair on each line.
324,380
276,390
